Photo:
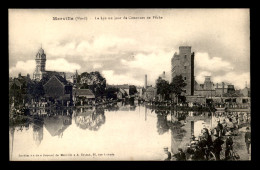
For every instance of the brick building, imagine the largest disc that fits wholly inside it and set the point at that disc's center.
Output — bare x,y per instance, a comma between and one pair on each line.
150,93
245,92
183,64
207,89
223,88
84,95
125,87
121,94
58,88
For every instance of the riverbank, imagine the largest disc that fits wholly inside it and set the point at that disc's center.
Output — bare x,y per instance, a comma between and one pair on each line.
181,108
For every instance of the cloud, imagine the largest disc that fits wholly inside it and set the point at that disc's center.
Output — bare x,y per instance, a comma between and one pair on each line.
238,80
105,50
100,48
153,64
200,77
61,64
23,68
213,64
125,78
219,70
28,66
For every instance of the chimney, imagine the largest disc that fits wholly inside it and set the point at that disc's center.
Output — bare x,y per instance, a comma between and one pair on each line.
19,75
164,77
223,84
28,75
217,85
145,81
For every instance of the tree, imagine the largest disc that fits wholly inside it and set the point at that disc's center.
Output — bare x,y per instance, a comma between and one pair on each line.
37,90
93,81
177,85
132,90
15,94
162,124
110,92
163,88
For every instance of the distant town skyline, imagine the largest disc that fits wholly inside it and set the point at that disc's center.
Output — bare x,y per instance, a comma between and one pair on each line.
123,51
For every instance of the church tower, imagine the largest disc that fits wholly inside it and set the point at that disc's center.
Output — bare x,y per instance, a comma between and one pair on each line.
40,65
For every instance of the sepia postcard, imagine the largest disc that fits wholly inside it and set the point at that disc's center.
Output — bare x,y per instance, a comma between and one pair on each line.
129,84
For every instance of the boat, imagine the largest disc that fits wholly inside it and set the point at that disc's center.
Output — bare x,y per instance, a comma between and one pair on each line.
238,110
221,108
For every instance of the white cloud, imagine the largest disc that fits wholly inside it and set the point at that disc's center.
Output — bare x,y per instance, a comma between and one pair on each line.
238,80
204,62
152,64
61,64
201,76
219,70
23,68
28,66
125,78
94,49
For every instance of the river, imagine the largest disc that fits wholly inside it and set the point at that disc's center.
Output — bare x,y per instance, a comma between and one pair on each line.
118,132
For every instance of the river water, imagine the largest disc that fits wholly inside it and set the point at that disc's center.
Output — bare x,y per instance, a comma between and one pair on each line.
118,132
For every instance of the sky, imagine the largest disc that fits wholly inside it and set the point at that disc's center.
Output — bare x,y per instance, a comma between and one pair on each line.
124,49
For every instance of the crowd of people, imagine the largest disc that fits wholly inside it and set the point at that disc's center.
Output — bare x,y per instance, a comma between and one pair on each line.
230,121
209,146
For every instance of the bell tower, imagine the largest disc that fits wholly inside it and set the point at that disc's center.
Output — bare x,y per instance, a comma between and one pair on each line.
40,60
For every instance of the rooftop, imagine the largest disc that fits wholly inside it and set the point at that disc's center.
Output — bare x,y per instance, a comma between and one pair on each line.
150,89
60,78
123,86
82,92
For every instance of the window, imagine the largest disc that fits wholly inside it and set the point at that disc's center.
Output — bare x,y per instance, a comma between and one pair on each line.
184,78
244,100
184,90
185,56
185,67
67,90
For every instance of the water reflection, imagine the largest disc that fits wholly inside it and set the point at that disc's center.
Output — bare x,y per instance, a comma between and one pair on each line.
37,131
177,135
162,124
173,121
57,124
91,119
152,128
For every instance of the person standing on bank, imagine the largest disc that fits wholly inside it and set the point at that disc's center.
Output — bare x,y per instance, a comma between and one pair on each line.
180,156
219,128
248,139
229,145
217,143
168,154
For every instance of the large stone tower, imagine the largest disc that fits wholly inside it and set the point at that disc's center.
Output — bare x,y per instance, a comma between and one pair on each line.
40,65
183,64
